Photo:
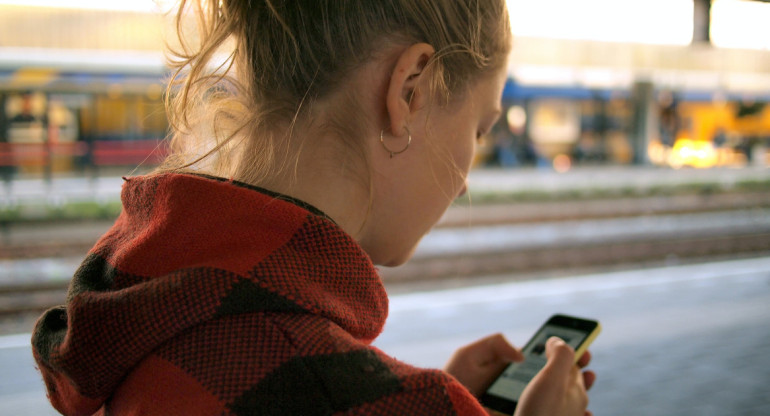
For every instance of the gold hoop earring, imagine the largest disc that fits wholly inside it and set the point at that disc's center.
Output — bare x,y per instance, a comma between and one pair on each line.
395,152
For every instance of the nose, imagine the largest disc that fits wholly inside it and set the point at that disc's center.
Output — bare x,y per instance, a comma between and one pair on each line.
463,191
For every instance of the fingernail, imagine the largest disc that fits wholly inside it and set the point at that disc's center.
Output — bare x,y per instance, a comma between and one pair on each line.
556,340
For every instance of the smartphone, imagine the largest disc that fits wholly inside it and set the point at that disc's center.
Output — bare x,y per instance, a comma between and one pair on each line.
503,394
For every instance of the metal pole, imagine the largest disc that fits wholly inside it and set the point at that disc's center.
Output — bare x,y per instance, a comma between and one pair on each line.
645,120
701,22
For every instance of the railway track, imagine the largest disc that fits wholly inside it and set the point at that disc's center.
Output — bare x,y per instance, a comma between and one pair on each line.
559,210
620,232
23,241
31,297
22,304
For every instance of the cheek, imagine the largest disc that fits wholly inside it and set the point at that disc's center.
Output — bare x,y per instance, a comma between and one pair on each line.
465,149
452,169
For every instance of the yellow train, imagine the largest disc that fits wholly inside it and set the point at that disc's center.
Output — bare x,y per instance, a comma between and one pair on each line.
717,133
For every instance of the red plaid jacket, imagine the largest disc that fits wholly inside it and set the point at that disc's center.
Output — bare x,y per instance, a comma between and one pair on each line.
210,297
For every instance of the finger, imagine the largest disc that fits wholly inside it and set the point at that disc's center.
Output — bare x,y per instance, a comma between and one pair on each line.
502,349
589,378
560,357
584,359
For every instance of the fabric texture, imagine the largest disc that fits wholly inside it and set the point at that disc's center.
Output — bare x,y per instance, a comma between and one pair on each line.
211,297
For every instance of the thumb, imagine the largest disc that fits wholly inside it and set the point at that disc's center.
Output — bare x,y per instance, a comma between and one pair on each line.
560,356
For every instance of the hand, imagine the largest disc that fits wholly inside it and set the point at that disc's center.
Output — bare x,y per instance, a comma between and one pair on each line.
476,365
560,387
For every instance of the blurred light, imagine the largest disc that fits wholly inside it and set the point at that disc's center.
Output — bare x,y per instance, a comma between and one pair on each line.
740,24
517,118
663,22
562,163
657,152
148,6
694,153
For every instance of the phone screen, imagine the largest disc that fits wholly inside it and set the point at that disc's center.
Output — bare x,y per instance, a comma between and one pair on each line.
505,391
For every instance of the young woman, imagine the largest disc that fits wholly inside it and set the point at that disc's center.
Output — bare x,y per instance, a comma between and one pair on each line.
239,278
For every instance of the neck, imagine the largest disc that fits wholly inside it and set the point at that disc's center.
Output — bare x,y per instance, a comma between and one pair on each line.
324,176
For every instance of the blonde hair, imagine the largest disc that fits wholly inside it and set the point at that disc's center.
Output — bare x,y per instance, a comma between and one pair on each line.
233,117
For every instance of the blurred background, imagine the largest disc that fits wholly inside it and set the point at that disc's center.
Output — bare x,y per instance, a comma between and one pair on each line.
628,181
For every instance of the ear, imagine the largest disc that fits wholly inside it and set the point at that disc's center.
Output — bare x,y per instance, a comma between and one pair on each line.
407,90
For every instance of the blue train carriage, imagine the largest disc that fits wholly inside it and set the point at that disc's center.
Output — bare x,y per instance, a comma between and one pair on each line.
561,125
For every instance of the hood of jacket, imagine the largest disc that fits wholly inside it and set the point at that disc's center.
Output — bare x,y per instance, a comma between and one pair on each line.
188,249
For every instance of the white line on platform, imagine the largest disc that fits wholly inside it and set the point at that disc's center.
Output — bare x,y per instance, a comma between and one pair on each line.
579,284
15,341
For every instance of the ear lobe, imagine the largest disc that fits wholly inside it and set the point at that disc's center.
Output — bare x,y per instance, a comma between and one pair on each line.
407,87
